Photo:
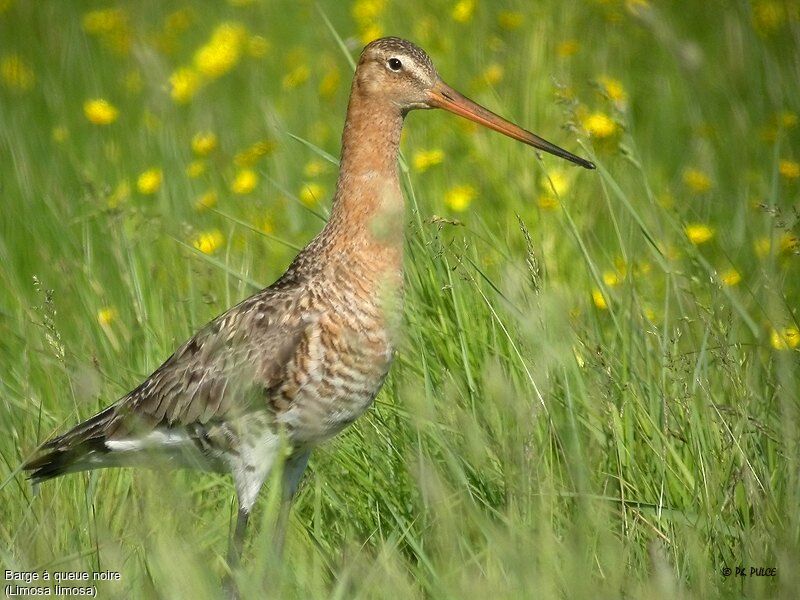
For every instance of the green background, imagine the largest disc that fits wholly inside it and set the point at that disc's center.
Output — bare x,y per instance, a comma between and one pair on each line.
597,390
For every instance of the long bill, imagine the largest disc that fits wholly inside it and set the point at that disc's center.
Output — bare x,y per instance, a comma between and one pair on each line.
443,96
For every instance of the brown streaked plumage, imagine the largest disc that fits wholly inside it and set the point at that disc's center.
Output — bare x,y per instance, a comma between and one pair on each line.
300,360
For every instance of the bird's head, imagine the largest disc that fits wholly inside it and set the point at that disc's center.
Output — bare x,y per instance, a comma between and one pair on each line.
396,71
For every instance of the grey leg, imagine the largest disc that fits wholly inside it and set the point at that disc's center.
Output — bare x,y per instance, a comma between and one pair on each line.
237,541
292,474
235,546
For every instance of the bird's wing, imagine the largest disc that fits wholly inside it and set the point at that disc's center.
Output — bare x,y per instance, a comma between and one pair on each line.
226,369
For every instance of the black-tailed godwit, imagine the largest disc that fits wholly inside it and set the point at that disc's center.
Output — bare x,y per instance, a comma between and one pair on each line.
292,365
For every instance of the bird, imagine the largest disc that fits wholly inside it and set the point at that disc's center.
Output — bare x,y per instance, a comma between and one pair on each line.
291,366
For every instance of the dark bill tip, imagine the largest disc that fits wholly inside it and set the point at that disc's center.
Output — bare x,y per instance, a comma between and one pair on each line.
443,96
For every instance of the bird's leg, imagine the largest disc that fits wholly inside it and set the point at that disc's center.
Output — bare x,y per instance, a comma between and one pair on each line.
237,540
235,546
292,474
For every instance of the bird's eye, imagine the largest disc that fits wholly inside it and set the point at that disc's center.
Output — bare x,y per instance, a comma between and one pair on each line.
395,64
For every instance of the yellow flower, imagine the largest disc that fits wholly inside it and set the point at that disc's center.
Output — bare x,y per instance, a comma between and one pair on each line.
768,15
567,48
785,339
788,119
311,193
178,21
206,201
103,21
370,32
696,180
367,14
250,155
111,26
790,169
493,74
120,194
614,90
467,126
184,84
223,51
768,133
555,181
16,73
698,233
547,201
195,168
315,168
245,182
60,134
463,10
789,243
762,246
599,300
366,11
329,83
510,19
209,242
319,132
786,244
149,182
611,278
258,46
204,143
296,77
730,277
267,225
599,125
105,316
425,159
460,197
665,199
100,111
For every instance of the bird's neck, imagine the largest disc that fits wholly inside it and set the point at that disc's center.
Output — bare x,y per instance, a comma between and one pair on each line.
368,207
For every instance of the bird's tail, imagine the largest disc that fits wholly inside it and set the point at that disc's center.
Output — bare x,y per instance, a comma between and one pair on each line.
108,439
61,461
81,448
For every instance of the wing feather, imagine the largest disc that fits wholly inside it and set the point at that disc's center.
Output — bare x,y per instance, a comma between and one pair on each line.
226,369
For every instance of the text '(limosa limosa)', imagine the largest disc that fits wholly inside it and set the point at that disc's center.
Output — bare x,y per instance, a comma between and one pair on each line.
292,365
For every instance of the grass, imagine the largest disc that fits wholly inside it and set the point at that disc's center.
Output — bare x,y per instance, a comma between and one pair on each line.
586,402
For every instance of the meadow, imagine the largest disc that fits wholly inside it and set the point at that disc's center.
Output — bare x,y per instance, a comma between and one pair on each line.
598,389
